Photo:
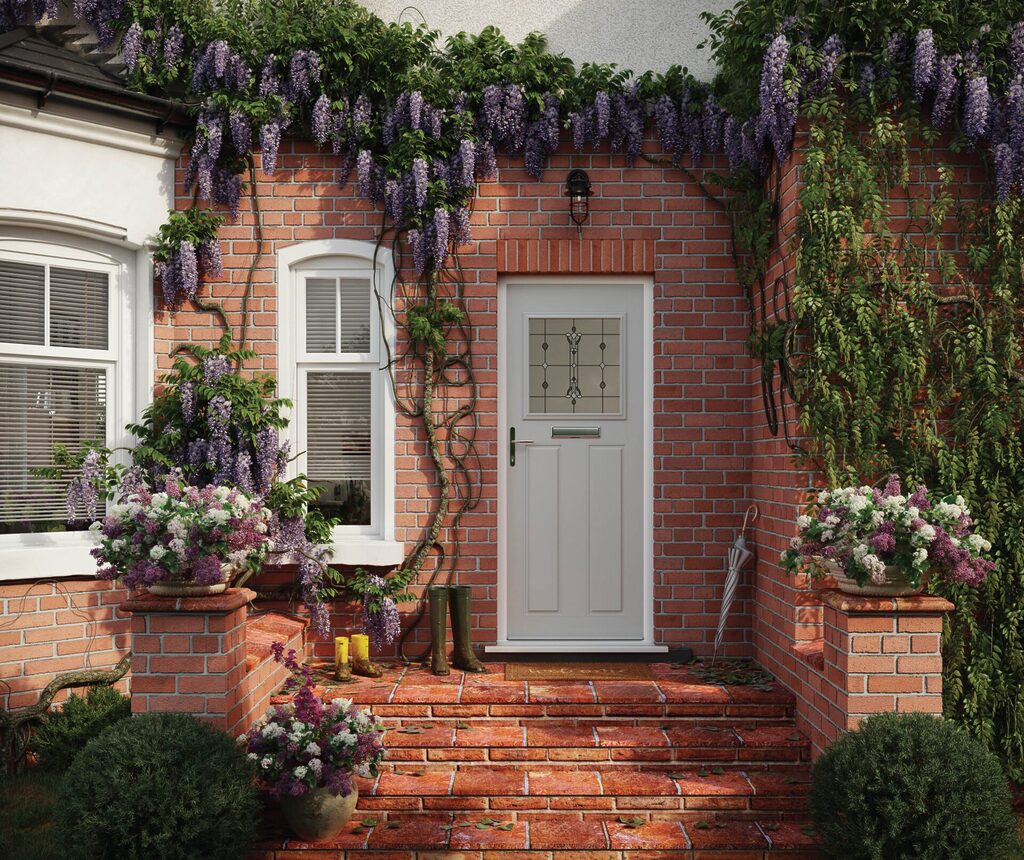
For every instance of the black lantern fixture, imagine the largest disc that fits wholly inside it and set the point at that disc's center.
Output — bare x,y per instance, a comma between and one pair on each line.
577,189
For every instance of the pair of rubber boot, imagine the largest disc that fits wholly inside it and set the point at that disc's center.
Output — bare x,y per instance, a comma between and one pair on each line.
460,599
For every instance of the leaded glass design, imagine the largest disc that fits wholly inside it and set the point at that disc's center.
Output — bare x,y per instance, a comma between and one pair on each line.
575,365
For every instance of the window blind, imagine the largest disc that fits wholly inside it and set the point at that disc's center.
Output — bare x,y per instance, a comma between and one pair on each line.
44,406
338,425
22,303
78,308
338,315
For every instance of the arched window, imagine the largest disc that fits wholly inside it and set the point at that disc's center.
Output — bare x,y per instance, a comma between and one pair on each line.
331,339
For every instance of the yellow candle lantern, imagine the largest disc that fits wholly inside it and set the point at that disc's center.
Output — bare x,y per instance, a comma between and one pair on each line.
360,647
340,650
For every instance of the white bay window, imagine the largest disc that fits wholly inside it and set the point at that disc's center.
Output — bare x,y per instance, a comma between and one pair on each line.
67,344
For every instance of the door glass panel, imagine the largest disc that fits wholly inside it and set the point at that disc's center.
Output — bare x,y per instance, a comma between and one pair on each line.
575,366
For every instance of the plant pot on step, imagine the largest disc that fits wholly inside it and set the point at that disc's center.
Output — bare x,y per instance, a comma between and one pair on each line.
318,814
896,583
179,588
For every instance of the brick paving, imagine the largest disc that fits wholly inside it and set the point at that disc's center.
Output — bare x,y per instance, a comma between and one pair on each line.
480,768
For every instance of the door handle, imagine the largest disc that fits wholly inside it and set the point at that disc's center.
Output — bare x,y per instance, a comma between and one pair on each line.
512,442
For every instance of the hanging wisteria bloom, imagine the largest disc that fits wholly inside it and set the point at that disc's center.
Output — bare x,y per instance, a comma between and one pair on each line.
977,108
364,170
778,107
209,257
461,232
380,615
362,113
466,160
131,46
270,82
320,119
174,44
924,63
441,226
188,270
270,142
666,121
832,52
419,182
946,92
1005,170
418,246
303,72
415,104
241,131
602,114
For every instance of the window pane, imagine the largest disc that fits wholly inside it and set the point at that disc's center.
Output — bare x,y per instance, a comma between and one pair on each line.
574,366
22,303
39,408
321,315
338,443
78,308
355,315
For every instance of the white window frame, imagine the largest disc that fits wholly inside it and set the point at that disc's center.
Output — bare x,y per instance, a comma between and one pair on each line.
372,545
128,360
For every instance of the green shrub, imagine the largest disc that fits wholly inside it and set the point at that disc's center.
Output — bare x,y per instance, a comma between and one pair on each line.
911,787
158,786
64,732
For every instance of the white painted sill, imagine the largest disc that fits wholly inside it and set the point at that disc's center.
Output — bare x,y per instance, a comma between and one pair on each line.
55,555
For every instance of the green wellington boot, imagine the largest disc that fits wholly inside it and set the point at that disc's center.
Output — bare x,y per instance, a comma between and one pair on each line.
461,600
437,597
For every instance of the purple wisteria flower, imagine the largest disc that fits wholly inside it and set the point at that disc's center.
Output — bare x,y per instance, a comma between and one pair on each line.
866,79
415,109
461,232
241,131
1005,170
131,45
485,164
924,63
227,190
270,81
1015,49
947,91
466,160
362,113
666,121
419,180
270,142
214,367
832,53
602,114
441,226
187,399
174,45
977,109
418,246
303,72
188,270
365,170
320,119
778,105
209,257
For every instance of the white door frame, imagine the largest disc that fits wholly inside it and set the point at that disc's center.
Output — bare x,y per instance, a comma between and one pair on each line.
635,646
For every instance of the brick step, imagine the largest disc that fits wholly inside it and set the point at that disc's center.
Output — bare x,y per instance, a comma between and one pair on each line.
620,789
557,836
607,741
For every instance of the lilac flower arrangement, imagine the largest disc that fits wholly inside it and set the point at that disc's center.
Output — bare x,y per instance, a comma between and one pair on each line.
864,530
310,744
181,534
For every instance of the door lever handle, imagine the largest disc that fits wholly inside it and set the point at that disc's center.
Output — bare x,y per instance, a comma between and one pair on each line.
512,442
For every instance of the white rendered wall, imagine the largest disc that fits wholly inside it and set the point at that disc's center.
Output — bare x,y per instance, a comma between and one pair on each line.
121,178
635,34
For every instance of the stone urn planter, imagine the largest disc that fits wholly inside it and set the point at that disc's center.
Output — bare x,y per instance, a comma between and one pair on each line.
174,588
318,814
896,583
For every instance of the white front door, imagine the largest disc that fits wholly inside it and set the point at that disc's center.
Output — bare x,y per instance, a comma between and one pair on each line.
574,461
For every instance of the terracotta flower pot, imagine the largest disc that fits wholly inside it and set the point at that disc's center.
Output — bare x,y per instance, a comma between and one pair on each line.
318,814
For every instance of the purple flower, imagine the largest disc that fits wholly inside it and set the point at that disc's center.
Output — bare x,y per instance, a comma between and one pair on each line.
441,226
666,121
303,72
187,399
602,111
131,45
883,541
188,269
924,63
417,243
733,140
712,121
832,51
1015,49
977,109
866,79
466,164
893,487
461,233
383,625
241,131
270,83
415,109
227,189
270,142
206,570
214,367
209,257
419,180
321,119
1005,169
896,49
485,165
946,92
362,114
364,169
174,44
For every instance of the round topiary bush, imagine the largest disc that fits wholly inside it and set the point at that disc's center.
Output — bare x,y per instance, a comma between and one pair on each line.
158,786
911,787
65,731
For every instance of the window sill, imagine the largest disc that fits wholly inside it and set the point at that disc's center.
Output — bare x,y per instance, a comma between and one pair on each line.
46,556
367,552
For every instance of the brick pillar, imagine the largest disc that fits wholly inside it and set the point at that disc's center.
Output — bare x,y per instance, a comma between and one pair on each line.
189,654
881,654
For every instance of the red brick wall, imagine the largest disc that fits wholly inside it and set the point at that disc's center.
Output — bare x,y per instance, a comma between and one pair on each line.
52,626
643,219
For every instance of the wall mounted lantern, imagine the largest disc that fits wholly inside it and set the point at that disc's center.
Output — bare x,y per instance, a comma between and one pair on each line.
577,189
